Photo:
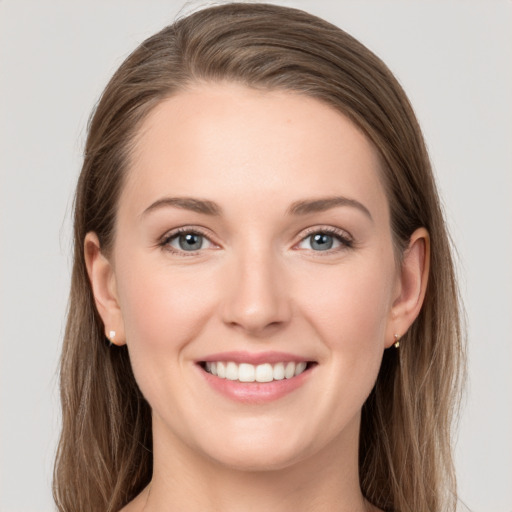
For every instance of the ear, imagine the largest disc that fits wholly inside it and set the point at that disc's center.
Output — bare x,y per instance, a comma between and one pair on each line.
411,285
103,283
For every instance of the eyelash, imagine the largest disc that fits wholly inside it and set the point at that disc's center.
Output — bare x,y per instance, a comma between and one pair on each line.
342,236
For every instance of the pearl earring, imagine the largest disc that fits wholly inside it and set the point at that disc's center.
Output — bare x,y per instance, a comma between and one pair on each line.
397,341
111,336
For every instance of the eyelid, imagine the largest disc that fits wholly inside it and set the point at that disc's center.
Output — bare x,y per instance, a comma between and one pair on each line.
343,236
164,240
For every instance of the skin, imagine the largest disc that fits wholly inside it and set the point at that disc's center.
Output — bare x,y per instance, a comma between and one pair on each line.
257,284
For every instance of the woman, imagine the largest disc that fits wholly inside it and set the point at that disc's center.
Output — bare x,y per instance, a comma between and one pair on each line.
263,309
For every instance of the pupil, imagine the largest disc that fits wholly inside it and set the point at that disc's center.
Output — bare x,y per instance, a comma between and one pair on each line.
190,242
322,242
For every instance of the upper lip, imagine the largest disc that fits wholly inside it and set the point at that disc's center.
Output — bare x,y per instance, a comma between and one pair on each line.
254,358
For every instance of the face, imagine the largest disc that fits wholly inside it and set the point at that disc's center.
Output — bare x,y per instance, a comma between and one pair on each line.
254,271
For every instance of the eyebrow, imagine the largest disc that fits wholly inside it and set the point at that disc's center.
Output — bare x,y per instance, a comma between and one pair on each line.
186,203
308,206
302,207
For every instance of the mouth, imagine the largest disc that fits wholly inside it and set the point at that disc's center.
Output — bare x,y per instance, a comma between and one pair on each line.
260,373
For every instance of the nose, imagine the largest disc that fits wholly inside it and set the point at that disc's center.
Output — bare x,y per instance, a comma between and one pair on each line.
256,298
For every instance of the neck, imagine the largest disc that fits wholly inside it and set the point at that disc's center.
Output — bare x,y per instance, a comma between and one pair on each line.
324,482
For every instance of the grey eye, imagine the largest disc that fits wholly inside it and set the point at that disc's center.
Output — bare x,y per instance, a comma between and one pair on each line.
188,242
321,241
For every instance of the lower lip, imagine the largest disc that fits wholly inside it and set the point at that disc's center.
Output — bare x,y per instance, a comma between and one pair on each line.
255,392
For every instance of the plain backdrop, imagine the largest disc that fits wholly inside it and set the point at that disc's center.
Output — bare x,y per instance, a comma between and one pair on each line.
454,59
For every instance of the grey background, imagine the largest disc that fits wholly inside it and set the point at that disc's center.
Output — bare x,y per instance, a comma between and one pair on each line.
453,58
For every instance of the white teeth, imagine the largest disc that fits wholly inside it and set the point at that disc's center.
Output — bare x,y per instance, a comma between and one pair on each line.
221,370
279,371
264,373
289,371
246,372
300,368
232,371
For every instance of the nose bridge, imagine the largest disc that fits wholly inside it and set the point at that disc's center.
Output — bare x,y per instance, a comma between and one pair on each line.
256,299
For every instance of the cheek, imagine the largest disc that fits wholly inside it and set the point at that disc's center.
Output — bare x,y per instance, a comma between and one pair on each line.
351,316
163,311
350,313
351,306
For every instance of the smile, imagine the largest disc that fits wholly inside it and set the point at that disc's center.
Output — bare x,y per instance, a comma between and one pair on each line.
246,372
256,378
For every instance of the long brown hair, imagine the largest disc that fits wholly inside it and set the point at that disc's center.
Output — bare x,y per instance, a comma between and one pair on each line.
104,456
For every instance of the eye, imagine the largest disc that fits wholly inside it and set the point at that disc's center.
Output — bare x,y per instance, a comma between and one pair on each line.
325,240
186,241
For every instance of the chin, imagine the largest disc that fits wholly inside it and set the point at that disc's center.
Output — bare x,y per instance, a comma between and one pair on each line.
259,452
256,460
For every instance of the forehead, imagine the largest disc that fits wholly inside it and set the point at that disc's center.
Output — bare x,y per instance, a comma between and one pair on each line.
227,141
